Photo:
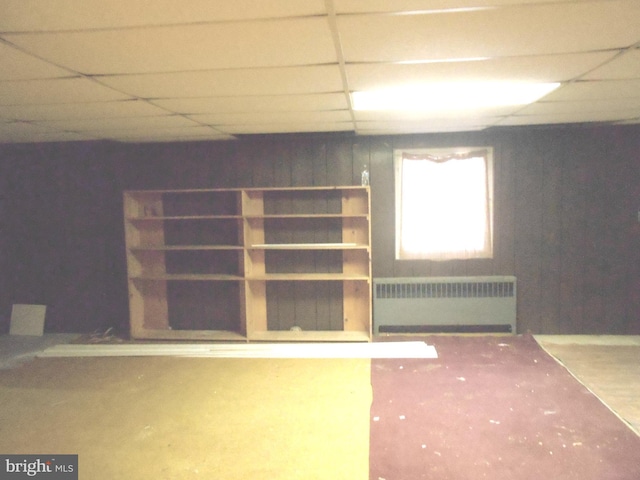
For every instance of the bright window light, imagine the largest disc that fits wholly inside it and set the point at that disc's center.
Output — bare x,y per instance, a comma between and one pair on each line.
444,201
452,96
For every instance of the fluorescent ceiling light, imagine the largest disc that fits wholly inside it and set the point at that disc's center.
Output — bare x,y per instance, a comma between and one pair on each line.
443,10
452,96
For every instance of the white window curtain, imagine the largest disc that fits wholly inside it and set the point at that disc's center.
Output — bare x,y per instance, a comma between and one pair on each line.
443,204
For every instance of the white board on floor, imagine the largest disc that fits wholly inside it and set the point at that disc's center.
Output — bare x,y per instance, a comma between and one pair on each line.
256,350
27,319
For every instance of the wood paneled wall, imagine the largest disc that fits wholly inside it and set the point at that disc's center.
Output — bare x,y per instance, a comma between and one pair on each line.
566,216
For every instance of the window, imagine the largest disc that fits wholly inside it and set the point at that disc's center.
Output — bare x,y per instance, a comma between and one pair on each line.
444,200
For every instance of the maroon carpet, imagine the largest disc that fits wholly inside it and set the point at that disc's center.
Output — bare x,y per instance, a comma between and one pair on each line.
492,407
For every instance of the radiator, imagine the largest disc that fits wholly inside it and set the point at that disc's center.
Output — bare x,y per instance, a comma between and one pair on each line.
444,304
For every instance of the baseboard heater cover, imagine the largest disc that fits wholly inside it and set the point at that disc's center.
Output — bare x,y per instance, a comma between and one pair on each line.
444,304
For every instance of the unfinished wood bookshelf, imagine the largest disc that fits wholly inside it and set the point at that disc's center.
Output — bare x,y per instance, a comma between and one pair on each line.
249,264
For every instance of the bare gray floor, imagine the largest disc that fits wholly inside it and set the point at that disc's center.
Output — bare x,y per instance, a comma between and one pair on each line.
608,365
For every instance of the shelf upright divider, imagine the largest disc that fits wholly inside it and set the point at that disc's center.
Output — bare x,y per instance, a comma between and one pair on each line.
147,300
255,291
356,205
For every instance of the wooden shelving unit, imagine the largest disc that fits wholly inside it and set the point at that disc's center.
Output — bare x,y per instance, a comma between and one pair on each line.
263,264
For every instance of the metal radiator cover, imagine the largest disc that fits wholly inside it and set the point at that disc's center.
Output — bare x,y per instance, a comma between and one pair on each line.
433,304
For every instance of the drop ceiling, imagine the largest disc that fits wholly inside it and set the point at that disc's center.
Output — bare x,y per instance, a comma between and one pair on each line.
140,71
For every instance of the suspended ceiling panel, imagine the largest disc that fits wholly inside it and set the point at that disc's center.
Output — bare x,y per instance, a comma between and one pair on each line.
622,66
154,134
107,124
572,117
65,90
266,118
623,106
21,132
59,15
224,83
496,32
534,68
320,102
299,127
433,126
73,111
185,47
589,90
486,113
429,6
17,65
145,71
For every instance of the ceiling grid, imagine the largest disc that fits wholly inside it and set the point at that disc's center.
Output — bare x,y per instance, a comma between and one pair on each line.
213,69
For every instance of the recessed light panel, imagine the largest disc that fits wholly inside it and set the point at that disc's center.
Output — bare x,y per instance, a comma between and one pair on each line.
451,96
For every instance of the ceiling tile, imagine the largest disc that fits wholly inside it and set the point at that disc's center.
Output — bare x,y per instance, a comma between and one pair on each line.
17,65
389,6
19,132
124,123
174,137
394,127
38,15
271,43
274,103
626,65
257,118
545,68
523,30
573,117
268,81
66,90
631,121
595,90
451,116
40,137
146,71
289,128
161,132
18,127
125,108
620,105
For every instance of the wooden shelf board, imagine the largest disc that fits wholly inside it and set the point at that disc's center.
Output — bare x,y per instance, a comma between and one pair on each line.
308,246
184,217
308,277
282,216
305,189
259,278
293,216
215,335
247,189
184,247
189,277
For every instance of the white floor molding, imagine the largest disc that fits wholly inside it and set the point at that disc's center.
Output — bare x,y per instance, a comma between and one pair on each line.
254,350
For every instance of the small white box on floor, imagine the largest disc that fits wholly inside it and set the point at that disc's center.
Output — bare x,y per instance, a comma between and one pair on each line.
27,319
